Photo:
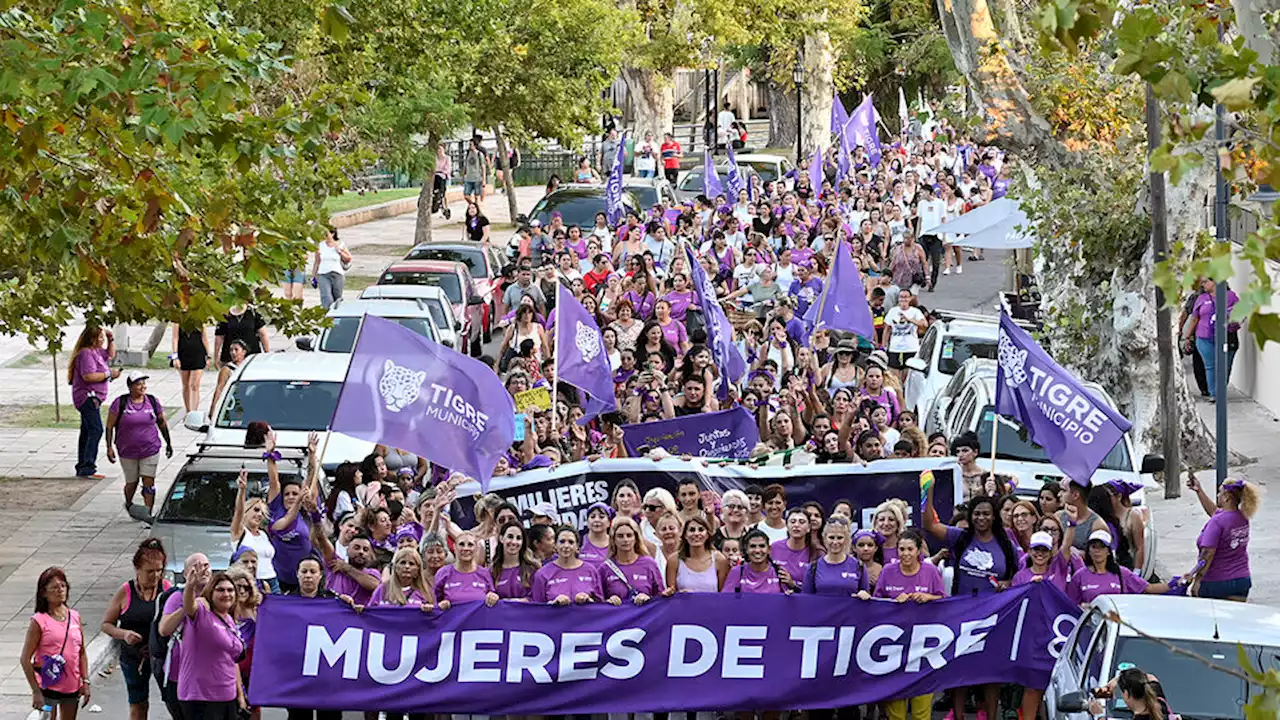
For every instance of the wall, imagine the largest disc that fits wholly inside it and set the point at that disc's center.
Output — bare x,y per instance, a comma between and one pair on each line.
1256,372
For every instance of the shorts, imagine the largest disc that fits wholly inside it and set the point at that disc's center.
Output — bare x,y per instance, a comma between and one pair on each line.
134,468
1223,589
136,678
472,187
58,697
898,360
294,277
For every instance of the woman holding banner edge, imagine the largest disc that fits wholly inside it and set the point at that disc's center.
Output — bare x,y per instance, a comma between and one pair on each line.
567,580
909,579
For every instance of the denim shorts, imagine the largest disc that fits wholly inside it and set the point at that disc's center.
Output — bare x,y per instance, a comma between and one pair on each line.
1222,589
136,679
294,276
472,187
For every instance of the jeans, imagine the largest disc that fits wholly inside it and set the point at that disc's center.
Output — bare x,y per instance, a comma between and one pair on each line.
933,251
90,436
330,288
645,173
1205,347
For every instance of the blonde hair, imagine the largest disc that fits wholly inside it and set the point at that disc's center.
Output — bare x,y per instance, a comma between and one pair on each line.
895,507
238,572
919,442
663,497
642,548
391,592
1250,499
255,502
487,507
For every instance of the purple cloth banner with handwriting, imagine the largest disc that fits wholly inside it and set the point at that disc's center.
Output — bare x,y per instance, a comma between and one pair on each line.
692,651
729,433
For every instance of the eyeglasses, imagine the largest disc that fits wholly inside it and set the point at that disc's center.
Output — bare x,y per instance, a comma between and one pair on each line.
735,506
1023,514
652,508
244,588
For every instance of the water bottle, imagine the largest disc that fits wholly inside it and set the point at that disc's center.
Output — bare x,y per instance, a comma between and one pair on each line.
46,712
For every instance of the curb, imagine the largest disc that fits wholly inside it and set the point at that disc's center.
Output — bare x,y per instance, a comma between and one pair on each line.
102,651
390,208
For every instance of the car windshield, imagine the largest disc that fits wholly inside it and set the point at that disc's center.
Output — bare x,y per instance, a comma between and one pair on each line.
693,181
577,208
765,169
1014,444
473,259
957,349
1193,689
208,497
446,281
646,195
341,338
282,404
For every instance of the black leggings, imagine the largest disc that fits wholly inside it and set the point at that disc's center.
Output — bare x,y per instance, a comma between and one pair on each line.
209,710
296,714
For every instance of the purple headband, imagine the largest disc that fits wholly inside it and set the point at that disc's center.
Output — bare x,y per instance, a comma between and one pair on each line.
1233,484
408,530
602,507
762,373
877,537
1124,487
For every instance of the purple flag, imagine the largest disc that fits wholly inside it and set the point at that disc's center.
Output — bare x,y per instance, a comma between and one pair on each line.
815,173
843,162
862,130
734,177
729,433
710,180
719,651
403,390
1074,427
843,305
581,359
839,116
613,186
718,328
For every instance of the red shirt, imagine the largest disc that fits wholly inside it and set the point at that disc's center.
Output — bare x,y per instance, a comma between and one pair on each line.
594,278
671,155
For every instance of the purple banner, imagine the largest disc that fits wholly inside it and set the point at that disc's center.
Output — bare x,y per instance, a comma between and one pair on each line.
692,651
613,186
729,433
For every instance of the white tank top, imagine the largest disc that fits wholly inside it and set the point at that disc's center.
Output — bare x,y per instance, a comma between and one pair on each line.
260,544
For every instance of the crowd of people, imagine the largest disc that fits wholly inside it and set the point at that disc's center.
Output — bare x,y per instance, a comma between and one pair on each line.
386,531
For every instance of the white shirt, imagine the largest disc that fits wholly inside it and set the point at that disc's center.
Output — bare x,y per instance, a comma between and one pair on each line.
774,535
905,336
330,259
932,213
646,162
744,275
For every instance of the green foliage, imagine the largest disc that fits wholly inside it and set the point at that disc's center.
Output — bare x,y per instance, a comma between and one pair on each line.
139,177
778,28
899,44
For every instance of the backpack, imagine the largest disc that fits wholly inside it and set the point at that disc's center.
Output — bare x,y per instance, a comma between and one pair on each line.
117,407
157,645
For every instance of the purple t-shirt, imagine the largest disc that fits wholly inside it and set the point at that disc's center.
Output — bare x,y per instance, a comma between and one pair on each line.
675,333
458,587
981,564
890,554
806,294
1059,572
137,435
343,584
509,586
412,598
208,667
892,582
744,578
1227,532
90,360
553,581
795,562
1204,311
680,303
592,554
292,544
1086,584
643,576
844,579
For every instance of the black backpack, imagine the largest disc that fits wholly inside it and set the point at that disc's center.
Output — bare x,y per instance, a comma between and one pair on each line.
158,645
117,407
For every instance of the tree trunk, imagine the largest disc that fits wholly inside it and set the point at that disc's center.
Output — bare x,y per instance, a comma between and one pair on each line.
422,228
1013,24
782,117
816,97
653,98
1253,29
508,184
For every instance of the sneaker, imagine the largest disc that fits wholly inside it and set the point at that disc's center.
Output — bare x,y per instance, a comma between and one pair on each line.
95,476
946,271
959,269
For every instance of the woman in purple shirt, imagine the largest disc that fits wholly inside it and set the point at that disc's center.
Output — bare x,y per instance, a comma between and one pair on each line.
88,374
680,297
406,585
757,573
135,424
1102,575
513,563
910,580
293,509
629,574
1222,571
1204,311
465,580
595,542
837,572
672,329
796,552
209,684
567,580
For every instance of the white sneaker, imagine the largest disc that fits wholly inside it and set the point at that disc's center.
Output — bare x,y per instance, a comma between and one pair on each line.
946,271
959,269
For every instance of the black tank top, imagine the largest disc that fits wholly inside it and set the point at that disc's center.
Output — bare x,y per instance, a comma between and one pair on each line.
137,617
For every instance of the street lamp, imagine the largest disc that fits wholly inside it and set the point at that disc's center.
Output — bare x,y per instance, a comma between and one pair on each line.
797,75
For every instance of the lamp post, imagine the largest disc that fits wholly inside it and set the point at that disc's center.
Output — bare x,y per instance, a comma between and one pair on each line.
1223,235
797,75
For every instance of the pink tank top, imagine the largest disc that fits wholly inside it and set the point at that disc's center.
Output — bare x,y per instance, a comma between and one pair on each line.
52,633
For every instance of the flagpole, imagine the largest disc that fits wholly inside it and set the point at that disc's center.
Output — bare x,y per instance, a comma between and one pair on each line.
995,435
555,364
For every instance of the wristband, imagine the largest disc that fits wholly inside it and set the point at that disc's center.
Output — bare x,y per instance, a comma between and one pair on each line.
273,455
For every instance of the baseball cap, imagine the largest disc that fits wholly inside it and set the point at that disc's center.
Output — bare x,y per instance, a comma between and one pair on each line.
1101,536
543,509
535,223
136,376
879,359
1041,540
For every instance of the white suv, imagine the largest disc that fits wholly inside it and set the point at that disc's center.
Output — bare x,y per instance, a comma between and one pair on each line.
347,317
949,341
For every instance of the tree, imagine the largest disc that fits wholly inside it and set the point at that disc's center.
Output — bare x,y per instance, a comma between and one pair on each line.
1074,124
139,180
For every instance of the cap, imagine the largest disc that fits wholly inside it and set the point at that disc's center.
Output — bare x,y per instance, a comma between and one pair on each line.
607,510
535,223
136,376
1101,536
1042,540
543,509
846,345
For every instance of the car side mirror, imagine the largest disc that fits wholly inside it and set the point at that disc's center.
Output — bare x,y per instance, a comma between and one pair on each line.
306,344
1152,463
475,300
196,421
522,219
1072,702
917,364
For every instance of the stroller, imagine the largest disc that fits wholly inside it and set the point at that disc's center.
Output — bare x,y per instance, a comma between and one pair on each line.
438,205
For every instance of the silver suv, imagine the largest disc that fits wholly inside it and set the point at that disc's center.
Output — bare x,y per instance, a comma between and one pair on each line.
347,317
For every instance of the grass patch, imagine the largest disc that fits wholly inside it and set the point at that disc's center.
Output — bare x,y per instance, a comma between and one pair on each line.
390,249
31,359
356,283
352,200
158,361
40,416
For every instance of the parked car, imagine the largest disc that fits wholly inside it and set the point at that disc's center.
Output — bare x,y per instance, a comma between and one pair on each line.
447,325
346,317
483,261
456,282
970,405
650,191
1121,631
949,341
768,167
690,186
295,393
195,515
577,205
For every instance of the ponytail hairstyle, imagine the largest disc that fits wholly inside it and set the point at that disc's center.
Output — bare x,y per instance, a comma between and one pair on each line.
1136,684
1100,503
808,537
1249,495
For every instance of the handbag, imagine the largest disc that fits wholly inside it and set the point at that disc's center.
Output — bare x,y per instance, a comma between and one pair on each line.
52,667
